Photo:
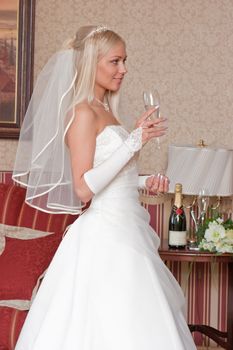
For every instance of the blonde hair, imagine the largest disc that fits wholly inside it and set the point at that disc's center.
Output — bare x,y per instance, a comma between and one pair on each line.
91,43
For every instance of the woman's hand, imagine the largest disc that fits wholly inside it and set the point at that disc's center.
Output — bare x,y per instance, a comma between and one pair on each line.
151,128
157,184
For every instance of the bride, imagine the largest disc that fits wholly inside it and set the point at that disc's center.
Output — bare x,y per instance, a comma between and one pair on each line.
106,287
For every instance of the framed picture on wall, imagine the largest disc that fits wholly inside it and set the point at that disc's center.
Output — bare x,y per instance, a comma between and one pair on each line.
17,18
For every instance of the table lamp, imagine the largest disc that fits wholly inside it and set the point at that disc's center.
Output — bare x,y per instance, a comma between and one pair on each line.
203,171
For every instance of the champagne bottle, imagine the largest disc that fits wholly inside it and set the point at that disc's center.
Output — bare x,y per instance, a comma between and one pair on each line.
177,222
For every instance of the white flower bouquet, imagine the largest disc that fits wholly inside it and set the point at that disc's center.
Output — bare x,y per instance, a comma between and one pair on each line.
216,236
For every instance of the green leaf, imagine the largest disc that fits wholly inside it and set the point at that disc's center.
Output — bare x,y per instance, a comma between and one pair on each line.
228,224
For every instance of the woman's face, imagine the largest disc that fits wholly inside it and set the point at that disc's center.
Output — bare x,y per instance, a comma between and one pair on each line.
111,69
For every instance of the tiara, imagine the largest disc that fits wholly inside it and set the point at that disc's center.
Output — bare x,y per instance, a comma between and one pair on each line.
98,29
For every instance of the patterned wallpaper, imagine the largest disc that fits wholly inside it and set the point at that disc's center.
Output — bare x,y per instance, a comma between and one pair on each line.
183,48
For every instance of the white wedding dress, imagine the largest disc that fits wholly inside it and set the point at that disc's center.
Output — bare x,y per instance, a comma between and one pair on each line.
106,287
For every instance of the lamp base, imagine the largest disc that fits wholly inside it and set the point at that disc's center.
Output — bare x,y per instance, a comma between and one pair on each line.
192,244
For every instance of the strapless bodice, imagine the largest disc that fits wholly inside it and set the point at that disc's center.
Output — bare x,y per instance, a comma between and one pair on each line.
126,181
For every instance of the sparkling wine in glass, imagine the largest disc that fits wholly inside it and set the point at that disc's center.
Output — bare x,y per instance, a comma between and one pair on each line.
151,99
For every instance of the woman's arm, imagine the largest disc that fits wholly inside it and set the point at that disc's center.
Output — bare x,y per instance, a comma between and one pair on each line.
103,174
81,140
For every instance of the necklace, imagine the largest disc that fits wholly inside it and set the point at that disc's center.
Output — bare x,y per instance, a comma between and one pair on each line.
104,104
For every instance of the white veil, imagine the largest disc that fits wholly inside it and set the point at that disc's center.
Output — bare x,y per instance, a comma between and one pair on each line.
42,160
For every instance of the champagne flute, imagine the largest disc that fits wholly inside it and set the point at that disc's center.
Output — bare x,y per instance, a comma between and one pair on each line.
151,99
203,204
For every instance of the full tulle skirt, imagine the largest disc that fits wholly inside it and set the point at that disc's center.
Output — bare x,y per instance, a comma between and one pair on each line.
107,288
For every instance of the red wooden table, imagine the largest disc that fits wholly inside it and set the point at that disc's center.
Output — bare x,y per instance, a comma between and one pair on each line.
224,339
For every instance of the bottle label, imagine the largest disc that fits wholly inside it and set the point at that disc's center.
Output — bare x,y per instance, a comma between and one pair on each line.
177,238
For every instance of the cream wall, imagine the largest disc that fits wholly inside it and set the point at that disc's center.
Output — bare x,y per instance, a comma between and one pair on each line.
182,47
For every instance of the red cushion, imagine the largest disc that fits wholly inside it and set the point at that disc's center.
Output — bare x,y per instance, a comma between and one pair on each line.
22,262
11,321
11,201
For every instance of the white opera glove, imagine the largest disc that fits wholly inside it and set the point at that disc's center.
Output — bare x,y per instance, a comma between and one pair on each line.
99,177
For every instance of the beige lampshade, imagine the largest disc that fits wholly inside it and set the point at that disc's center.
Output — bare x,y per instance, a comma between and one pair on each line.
198,168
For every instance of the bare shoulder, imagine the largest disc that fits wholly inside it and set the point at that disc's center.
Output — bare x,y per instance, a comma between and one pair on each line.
84,126
85,116
85,119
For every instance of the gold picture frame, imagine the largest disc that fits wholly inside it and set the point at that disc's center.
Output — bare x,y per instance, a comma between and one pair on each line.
17,22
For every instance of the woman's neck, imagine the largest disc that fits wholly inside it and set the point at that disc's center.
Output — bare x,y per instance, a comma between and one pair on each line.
99,94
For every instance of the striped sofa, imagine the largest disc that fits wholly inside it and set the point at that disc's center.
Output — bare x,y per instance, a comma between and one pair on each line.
17,282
